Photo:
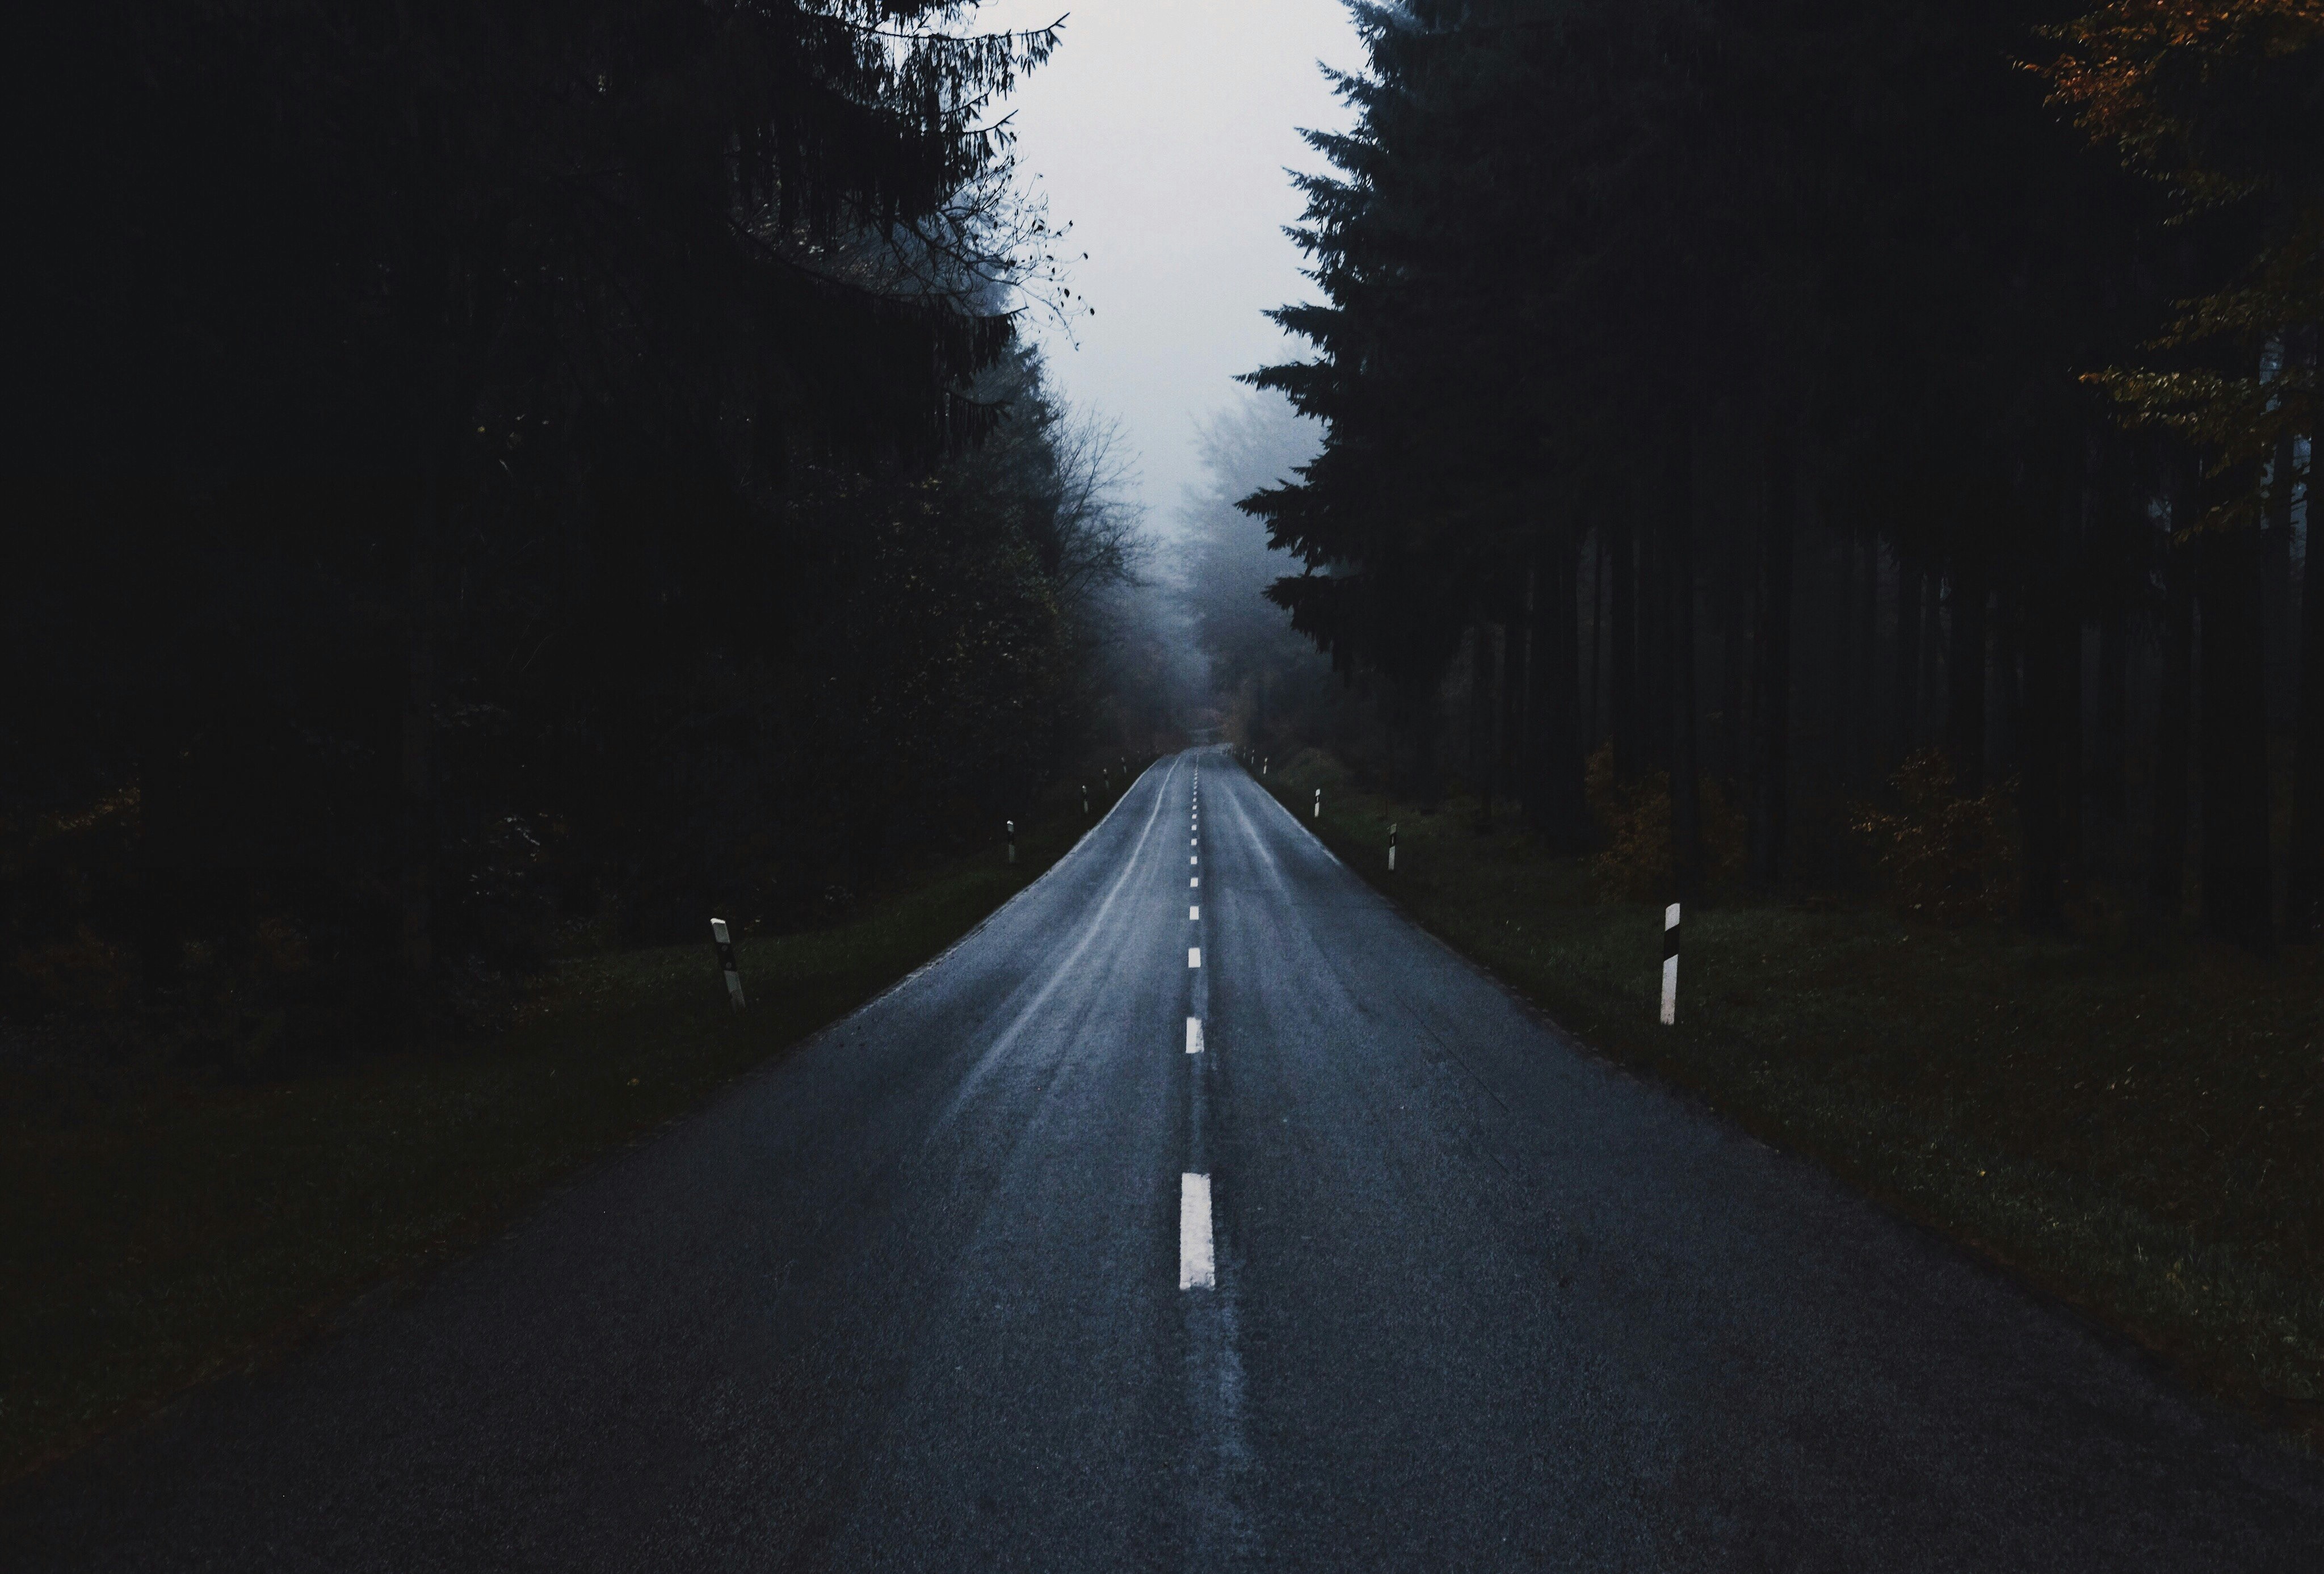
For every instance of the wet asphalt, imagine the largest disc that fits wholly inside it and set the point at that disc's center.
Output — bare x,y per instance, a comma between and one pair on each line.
911,1298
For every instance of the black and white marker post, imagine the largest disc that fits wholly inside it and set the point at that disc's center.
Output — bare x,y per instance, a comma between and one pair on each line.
1670,965
1012,841
1319,803
725,944
1391,849
1085,801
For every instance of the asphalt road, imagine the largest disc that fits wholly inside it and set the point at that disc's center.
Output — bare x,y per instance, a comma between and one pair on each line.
936,1292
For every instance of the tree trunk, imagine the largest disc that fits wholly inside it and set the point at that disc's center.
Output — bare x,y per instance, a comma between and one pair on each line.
160,848
1594,684
1622,697
1772,699
1864,758
1935,661
1844,656
1908,658
2109,558
2008,696
1513,653
2305,910
1480,716
1734,665
2238,885
1678,536
419,827
1965,672
1556,804
1427,723
2073,613
2042,782
1654,645
2280,651
159,709
2175,701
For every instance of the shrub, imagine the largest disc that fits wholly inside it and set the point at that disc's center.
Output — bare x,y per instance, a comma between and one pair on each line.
1639,860
1944,856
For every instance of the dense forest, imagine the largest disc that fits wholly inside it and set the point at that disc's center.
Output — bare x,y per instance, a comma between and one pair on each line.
478,473
1812,416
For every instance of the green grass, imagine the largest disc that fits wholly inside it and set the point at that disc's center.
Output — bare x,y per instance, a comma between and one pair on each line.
156,1239
2135,1122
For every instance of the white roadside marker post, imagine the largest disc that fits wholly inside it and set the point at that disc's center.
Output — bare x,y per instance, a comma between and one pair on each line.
1012,841
1670,965
1319,803
725,944
1085,801
1391,849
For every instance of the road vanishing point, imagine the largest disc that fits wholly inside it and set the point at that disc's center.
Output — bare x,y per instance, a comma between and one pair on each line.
1195,1212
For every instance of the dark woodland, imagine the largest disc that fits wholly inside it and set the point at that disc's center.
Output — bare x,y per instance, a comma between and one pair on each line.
1858,419
481,472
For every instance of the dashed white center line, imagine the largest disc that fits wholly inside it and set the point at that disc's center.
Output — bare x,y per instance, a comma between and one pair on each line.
1195,1269
1193,860
1194,1035
1193,915
1194,956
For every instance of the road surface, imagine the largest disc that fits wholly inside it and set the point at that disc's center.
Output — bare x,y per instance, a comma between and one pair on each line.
1195,1212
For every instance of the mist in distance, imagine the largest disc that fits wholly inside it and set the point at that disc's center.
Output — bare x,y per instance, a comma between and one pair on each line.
1163,133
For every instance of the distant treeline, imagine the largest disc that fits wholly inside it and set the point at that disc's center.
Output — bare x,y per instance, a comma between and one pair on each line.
1769,391
475,468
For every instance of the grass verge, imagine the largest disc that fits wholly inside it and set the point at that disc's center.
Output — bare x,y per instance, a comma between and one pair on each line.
2133,1122
157,1240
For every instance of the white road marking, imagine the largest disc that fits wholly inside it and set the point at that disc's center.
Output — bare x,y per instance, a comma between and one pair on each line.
1193,915
1194,956
1194,1035
1193,881
1195,1269
1193,860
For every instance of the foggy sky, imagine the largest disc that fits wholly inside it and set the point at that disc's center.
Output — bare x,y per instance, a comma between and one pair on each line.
1162,130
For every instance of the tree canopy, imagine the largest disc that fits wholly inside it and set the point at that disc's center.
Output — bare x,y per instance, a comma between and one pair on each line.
476,466
1636,316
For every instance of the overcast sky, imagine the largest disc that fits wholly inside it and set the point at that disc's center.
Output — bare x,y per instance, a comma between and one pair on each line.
1162,129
